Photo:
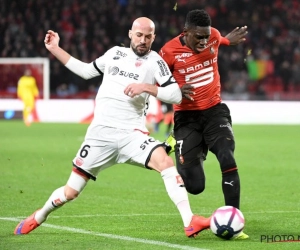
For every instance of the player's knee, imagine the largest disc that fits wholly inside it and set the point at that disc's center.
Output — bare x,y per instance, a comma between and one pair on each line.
75,185
167,162
224,151
159,160
223,144
195,187
71,193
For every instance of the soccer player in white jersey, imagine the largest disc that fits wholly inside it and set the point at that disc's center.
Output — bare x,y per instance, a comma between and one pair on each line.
118,133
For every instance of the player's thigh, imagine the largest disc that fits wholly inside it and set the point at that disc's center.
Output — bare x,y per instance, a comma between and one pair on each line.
193,177
136,148
190,154
218,125
95,155
192,172
189,147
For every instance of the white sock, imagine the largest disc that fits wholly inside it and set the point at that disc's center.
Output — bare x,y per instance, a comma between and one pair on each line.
177,193
58,198
55,201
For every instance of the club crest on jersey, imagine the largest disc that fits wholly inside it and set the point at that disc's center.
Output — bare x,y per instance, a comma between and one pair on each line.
138,62
79,162
212,50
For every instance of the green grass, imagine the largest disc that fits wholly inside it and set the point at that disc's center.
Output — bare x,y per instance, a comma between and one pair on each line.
128,208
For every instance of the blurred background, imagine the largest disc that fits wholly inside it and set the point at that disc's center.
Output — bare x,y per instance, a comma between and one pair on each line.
265,67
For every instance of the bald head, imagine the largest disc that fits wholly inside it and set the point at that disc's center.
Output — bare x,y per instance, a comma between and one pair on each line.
143,23
142,35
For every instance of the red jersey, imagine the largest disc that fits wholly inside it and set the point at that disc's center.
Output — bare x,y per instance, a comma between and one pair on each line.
200,70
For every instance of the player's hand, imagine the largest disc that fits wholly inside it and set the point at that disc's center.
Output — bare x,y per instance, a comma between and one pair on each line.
186,91
134,89
51,40
237,35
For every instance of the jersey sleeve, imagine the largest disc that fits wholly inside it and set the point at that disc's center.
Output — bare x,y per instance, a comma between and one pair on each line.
167,56
224,41
100,62
168,90
162,73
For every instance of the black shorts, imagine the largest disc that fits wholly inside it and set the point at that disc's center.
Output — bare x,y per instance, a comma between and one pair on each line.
196,131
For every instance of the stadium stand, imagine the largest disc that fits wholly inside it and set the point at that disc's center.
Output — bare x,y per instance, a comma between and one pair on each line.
266,67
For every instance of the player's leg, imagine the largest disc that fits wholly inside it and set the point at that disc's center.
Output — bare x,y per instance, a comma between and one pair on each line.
57,199
28,103
153,155
219,136
190,150
190,153
175,188
87,164
224,149
76,183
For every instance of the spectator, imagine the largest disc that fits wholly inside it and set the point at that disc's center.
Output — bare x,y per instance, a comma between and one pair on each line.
273,33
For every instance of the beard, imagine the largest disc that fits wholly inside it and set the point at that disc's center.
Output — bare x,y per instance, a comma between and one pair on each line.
138,52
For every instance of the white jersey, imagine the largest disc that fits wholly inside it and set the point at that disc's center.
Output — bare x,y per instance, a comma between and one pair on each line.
121,67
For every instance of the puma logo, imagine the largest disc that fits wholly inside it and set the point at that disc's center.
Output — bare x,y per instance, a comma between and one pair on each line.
229,183
181,60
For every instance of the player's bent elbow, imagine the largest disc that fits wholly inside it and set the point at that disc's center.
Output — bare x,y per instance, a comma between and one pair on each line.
178,101
177,97
170,94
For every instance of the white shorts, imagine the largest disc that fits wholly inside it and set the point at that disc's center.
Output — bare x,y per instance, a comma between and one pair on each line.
104,147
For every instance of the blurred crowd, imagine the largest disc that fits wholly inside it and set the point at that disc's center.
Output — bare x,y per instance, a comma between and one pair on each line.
88,28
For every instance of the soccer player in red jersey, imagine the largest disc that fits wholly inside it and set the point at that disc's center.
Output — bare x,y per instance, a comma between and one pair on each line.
201,121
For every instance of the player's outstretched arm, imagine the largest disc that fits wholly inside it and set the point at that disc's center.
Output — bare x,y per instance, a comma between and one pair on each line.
168,94
238,35
52,44
82,69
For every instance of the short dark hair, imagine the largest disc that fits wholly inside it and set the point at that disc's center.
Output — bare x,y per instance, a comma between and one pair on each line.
197,18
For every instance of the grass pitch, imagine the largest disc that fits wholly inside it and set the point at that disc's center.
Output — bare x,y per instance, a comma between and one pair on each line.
128,208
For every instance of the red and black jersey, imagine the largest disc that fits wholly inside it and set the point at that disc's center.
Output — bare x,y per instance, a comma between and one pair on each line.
201,70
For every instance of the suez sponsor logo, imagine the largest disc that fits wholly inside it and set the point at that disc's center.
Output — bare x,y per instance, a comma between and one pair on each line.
164,71
116,71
